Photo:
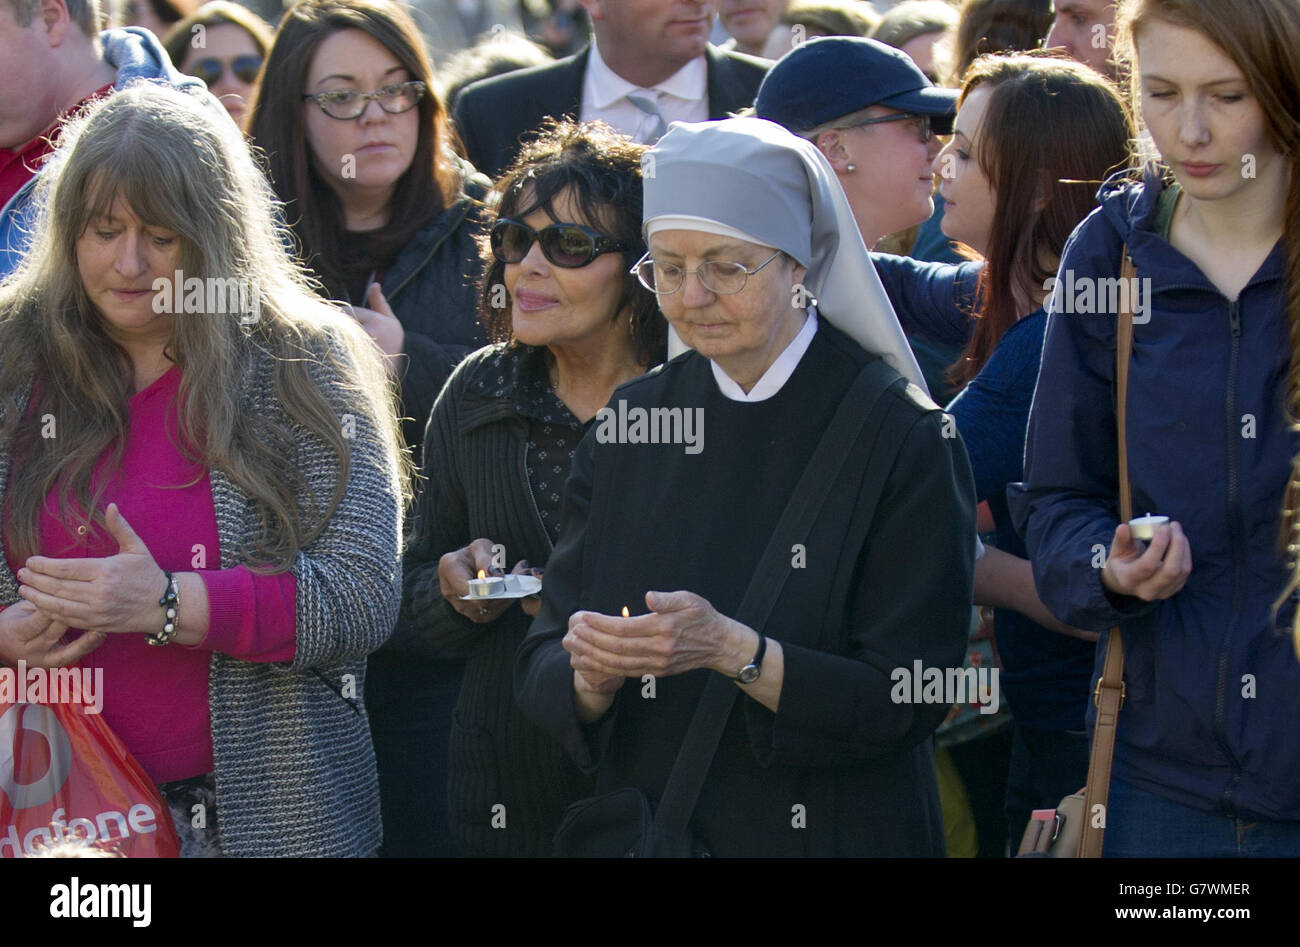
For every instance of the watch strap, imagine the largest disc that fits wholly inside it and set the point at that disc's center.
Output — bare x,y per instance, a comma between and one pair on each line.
756,663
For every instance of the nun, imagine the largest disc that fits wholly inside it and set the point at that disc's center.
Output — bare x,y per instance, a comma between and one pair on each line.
825,746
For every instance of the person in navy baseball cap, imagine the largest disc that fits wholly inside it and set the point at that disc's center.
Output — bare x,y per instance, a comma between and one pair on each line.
874,115
825,79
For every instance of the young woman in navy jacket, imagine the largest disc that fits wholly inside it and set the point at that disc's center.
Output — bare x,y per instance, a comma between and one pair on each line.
1207,755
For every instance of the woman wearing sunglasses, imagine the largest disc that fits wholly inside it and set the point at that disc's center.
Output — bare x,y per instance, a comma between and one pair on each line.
226,53
387,217
570,324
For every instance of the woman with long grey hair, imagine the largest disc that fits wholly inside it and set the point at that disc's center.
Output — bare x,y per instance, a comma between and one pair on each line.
201,477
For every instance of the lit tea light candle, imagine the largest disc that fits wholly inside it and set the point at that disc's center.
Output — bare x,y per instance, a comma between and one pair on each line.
1144,527
485,585
625,614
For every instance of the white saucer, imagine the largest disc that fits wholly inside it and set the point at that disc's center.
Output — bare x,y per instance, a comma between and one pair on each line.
517,586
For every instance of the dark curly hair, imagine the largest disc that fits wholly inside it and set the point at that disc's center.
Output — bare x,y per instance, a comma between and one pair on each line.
601,170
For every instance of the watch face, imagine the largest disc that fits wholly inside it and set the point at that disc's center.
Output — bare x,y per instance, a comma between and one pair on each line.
748,674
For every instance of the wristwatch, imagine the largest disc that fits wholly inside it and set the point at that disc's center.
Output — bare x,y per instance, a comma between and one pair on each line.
750,672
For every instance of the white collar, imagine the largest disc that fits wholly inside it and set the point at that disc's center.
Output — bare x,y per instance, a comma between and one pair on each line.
777,374
689,83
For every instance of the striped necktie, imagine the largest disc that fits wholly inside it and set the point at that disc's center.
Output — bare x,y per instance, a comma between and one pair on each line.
650,107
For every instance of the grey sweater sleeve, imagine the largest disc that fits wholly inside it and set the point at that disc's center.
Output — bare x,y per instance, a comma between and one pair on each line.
350,576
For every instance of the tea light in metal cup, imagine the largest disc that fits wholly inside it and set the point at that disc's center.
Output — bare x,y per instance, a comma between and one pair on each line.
485,585
1144,527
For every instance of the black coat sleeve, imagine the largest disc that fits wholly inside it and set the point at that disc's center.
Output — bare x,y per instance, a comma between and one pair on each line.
543,676
909,598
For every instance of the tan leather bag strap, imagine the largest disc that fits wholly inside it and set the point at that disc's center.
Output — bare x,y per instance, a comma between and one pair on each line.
1109,694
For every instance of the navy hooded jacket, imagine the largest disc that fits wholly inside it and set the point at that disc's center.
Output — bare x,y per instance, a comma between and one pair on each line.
1212,714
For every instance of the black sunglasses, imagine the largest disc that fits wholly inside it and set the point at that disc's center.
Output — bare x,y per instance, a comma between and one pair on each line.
245,69
566,245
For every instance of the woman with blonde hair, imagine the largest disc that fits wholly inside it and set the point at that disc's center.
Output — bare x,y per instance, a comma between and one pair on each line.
1206,759
201,474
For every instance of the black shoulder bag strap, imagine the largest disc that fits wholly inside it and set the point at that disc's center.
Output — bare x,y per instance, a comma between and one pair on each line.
860,405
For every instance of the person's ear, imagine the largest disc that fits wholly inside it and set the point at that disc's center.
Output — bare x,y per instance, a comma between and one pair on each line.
595,8
835,147
55,21
797,271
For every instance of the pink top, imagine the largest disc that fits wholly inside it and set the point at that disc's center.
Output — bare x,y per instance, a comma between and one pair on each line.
156,699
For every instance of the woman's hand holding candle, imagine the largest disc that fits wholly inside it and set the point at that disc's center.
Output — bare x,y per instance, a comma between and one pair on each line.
1153,572
682,632
458,568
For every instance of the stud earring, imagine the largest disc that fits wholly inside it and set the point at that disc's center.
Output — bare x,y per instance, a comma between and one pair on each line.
850,168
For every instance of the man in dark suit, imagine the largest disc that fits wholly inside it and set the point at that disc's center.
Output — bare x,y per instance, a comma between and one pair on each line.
649,64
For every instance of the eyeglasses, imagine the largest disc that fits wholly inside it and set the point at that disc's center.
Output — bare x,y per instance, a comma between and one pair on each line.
244,68
566,245
346,104
925,124
722,277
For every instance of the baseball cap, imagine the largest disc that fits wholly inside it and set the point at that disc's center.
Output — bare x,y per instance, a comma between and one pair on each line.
826,78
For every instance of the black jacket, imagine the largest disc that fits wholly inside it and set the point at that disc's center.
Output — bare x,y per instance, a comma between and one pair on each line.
492,114
432,288
843,768
475,457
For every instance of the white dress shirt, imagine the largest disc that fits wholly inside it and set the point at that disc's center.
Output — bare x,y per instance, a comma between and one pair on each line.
682,97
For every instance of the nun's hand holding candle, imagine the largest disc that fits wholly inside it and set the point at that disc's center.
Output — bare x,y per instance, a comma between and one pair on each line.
746,226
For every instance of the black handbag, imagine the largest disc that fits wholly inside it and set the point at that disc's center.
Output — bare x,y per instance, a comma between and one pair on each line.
624,823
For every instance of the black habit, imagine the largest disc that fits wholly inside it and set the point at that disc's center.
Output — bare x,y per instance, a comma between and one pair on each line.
841,769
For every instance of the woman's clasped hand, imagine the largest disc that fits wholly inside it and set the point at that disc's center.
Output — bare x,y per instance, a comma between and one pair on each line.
29,635
682,632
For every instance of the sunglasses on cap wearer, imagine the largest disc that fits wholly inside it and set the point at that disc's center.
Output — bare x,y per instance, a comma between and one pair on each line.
566,245
244,68
927,126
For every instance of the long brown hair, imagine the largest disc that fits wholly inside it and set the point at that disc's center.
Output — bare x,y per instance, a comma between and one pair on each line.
275,124
178,162
1053,130
1262,38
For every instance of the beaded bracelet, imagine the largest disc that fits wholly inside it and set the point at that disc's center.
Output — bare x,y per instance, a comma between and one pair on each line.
171,604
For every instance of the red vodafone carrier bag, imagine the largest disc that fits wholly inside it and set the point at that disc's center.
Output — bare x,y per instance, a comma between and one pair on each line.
65,774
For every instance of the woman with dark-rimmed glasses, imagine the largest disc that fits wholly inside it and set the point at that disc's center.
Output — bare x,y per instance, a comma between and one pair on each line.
359,150
387,217
569,324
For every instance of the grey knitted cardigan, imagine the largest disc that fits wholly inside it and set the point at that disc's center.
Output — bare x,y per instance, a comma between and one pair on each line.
294,766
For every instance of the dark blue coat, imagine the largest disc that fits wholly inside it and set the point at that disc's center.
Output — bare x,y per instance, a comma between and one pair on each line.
1213,686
